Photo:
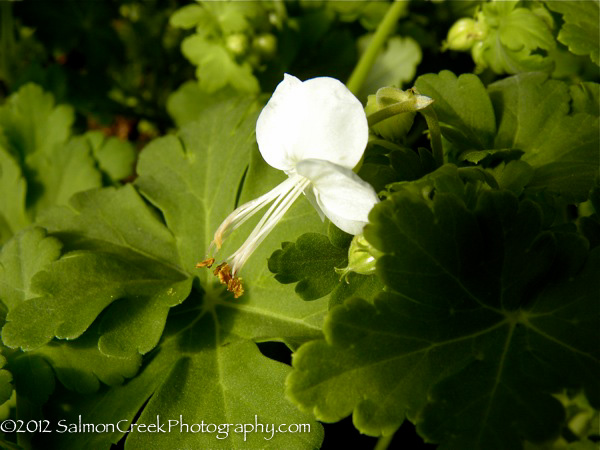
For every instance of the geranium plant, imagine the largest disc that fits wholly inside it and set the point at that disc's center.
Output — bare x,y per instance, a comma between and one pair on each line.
424,273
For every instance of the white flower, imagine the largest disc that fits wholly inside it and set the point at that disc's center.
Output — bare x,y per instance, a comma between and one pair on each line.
316,132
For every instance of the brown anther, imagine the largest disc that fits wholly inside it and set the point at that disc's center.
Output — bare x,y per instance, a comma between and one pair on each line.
206,263
235,285
223,273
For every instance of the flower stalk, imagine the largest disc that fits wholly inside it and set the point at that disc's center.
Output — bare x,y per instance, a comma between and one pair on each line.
366,61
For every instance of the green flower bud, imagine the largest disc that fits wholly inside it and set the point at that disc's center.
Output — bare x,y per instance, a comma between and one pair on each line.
397,125
265,45
362,258
464,34
460,36
237,43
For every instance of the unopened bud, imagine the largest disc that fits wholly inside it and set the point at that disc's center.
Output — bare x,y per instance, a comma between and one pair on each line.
400,107
464,34
265,45
237,43
362,257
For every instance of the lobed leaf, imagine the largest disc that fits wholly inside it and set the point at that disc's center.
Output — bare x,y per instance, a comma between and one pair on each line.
530,114
78,364
31,123
580,31
485,311
517,39
125,268
310,261
199,375
562,147
42,165
13,215
463,107
20,259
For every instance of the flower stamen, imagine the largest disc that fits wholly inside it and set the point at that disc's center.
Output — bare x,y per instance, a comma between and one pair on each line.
282,196
234,284
206,263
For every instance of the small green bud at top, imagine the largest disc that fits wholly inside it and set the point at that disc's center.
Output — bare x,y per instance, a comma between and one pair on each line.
237,43
391,111
464,34
265,45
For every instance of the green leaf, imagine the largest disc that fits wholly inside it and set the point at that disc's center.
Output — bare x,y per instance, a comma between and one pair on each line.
60,172
188,101
34,382
216,68
198,376
485,311
533,116
188,17
125,265
310,262
88,281
538,354
53,167
513,176
80,366
513,40
580,31
20,259
31,123
233,17
13,216
410,165
174,180
463,107
355,285
194,178
585,98
115,156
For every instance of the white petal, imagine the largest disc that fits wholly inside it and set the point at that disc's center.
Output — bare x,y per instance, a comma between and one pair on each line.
312,199
344,198
319,118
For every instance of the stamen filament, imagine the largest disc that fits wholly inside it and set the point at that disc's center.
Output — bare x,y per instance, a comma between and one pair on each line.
283,197
247,210
267,223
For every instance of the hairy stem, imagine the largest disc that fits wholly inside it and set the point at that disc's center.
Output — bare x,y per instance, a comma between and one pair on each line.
385,28
383,442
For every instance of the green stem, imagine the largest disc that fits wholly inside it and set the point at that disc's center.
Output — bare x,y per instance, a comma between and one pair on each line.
383,442
385,28
435,133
